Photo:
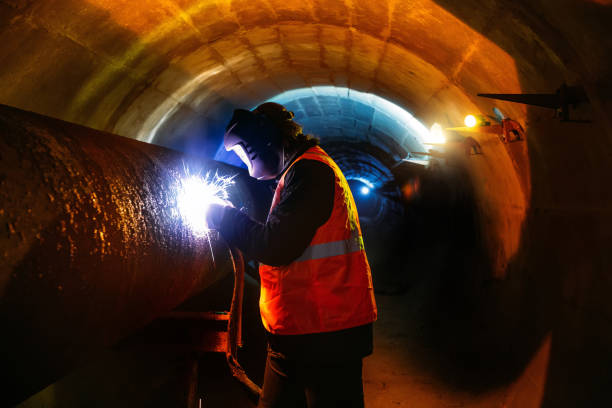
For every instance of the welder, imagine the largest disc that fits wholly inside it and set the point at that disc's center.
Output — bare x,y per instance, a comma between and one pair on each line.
317,300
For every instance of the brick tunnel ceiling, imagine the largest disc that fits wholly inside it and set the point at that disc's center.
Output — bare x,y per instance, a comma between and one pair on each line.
181,60
277,47
175,69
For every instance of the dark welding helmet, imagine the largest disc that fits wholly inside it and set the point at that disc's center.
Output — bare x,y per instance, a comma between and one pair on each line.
255,138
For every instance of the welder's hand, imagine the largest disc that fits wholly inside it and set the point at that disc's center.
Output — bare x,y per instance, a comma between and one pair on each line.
215,215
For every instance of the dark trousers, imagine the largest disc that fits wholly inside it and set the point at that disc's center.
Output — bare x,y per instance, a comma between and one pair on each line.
314,384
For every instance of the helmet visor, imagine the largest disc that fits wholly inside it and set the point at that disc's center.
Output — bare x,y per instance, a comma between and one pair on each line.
241,152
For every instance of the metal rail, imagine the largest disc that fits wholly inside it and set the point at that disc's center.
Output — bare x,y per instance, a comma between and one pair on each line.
234,326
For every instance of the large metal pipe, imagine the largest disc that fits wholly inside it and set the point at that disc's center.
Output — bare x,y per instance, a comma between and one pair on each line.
90,245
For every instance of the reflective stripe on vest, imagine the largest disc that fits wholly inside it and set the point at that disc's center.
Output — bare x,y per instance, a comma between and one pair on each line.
329,249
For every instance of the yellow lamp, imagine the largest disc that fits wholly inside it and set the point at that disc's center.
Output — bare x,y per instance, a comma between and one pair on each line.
470,121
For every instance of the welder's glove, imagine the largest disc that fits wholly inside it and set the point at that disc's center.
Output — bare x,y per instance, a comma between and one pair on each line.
215,215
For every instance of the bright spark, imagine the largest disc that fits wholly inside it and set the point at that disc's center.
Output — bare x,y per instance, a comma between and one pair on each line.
194,195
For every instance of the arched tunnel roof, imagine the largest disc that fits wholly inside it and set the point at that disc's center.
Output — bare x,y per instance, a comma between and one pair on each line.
171,63
185,59
178,61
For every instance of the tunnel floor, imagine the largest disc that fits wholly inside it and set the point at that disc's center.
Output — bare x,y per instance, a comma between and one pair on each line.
392,376
403,371
428,352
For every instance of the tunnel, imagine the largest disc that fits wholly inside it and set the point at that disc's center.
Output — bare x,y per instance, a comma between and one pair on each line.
491,257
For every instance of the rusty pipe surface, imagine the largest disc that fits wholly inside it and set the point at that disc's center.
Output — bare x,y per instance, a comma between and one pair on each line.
90,245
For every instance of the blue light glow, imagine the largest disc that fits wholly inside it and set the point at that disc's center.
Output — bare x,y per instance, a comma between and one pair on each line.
388,118
346,115
365,190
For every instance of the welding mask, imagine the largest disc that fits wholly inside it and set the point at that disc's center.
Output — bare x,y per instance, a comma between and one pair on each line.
254,137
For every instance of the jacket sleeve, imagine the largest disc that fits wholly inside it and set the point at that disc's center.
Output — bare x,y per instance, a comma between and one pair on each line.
305,204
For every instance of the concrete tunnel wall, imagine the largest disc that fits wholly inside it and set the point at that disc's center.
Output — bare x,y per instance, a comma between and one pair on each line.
163,70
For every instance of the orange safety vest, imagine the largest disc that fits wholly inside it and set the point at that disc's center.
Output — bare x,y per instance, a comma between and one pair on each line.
329,287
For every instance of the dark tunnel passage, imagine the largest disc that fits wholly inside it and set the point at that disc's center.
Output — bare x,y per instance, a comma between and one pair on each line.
491,259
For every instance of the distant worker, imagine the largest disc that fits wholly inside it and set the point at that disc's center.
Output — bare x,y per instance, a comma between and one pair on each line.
512,131
317,300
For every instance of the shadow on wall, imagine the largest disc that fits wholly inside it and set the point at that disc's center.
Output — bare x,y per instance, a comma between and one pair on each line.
472,342
484,331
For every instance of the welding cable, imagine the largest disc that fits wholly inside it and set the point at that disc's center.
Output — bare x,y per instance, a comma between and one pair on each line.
234,325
